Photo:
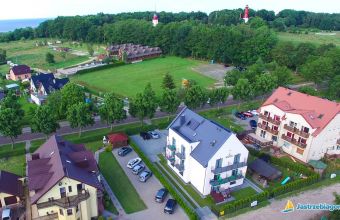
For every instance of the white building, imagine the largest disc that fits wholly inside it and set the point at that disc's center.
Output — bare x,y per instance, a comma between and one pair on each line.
204,153
304,126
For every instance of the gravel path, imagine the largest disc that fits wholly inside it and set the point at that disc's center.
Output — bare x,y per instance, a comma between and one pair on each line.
273,211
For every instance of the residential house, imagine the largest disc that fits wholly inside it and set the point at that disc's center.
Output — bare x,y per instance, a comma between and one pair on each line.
64,182
304,126
11,189
20,72
43,84
204,153
118,140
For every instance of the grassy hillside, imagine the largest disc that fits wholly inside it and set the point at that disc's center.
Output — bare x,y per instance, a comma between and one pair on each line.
314,38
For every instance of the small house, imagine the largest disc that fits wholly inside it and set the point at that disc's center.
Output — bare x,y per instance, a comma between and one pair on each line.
118,140
20,72
11,188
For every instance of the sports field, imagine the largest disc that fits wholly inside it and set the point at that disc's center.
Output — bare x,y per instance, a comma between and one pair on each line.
129,79
315,38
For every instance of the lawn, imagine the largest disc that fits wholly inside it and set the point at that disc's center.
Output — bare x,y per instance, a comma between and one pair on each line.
243,193
310,38
120,183
15,164
27,107
35,144
130,79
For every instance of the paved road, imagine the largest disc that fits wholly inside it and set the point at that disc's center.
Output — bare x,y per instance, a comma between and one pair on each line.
147,192
273,211
66,129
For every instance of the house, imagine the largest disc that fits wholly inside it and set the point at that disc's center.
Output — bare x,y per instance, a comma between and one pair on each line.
204,153
20,72
133,52
64,182
11,189
118,140
304,126
43,84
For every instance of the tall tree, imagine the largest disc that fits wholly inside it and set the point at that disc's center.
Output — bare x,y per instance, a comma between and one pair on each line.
218,96
168,82
49,58
79,116
195,97
318,70
169,102
44,121
334,88
112,110
283,75
54,101
90,49
243,90
71,94
265,83
10,123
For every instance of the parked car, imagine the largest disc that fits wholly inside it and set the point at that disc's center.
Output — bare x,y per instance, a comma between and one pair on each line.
137,169
240,116
145,135
254,112
170,206
161,195
154,134
124,151
6,214
253,124
134,162
247,114
145,175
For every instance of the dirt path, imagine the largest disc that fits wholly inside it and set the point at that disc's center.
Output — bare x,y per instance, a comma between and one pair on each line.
273,211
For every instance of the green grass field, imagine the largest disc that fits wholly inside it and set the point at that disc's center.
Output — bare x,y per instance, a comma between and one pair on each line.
311,38
15,164
129,79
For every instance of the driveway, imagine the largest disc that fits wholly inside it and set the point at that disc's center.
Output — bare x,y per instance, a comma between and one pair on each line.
147,192
244,123
152,147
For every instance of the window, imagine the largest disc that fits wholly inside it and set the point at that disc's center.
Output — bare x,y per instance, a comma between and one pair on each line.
218,163
263,134
69,211
61,212
266,113
274,138
289,134
292,124
302,140
234,172
299,151
305,129
173,141
276,118
62,192
237,158
216,176
69,188
275,128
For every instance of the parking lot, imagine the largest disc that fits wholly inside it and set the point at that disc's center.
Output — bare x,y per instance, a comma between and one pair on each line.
147,192
152,147
245,123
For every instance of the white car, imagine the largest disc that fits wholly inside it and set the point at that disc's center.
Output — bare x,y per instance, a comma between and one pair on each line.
154,134
134,162
254,112
6,214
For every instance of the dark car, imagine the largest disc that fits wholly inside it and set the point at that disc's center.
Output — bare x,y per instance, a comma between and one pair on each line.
170,206
145,175
124,151
253,124
145,135
240,116
161,195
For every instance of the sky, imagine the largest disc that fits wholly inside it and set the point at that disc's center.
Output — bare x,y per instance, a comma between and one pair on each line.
54,8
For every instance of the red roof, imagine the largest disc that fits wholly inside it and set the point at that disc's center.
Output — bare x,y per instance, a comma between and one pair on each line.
316,111
118,137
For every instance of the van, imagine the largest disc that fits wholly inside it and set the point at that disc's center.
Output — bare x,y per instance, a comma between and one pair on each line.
6,214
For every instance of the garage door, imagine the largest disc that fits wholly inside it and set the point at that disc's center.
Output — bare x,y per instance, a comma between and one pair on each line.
11,200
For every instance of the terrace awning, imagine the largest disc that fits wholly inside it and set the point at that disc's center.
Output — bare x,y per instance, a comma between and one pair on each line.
259,140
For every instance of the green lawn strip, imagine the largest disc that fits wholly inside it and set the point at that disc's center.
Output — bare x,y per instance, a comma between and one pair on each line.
14,164
120,183
310,38
175,184
134,77
8,147
108,205
242,193
35,144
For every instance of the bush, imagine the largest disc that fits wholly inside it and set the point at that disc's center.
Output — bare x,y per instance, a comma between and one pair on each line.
101,67
11,153
108,148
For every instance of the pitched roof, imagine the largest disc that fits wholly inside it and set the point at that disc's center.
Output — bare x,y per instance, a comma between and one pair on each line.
316,111
10,183
49,82
118,137
21,69
264,169
194,128
58,159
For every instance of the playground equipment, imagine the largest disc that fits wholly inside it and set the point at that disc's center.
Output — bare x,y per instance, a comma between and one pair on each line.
285,180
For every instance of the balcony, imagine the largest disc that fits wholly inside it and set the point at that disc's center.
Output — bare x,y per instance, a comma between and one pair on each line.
296,131
171,147
180,167
338,142
170,157
293,141
269,119
267,128
66,202
225,180
229,167
47,217
180,155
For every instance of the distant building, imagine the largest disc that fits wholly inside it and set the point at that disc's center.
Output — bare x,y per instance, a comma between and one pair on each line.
205,154
43,84
62,49
64,182
155,20
304,126
20,72
133,52
11,188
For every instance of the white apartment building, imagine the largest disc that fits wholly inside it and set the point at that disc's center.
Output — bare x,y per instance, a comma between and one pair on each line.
304,126
205,153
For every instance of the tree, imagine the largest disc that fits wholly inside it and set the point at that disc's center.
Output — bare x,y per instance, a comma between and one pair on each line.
169,102
334,88
79,116
335,214
63,55
112,110
283,75
3,58
11,101
71,94
195,97
10,123
90,49
308,90
265,83
168,82
318,70
284,54
44,120
243,90
231,77
217,96
256,22
54,101
49,58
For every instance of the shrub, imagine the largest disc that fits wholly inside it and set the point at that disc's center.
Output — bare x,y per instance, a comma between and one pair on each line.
11,153
108,148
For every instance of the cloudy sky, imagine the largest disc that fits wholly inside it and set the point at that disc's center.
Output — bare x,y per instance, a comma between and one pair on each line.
51,8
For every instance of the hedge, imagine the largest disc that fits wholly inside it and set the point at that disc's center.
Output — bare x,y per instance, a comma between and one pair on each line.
100,68
190,212
12,152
